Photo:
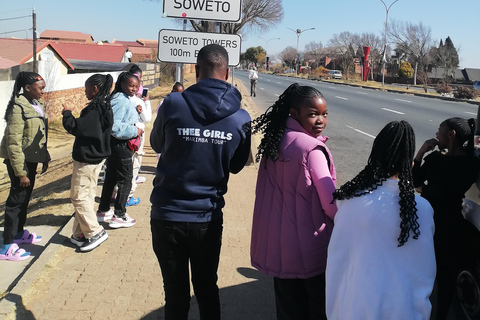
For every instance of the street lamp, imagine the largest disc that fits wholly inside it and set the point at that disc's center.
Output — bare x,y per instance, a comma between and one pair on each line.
266,46
299,32
384,58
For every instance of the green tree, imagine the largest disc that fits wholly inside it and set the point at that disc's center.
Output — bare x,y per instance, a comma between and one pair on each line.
252,53
406,70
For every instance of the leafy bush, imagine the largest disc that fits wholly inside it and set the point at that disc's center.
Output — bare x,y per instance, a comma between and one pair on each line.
405,70
443,88
465,93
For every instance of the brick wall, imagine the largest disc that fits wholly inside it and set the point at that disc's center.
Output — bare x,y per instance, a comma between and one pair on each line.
74,99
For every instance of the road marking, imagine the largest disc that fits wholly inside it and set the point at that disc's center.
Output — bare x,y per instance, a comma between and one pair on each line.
390,110
360,131
277,95
361,92
404,100
341,98
262,89
278,82
471,113
332,88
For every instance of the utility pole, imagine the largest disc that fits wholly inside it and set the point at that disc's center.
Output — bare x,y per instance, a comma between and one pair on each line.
34,17
385,40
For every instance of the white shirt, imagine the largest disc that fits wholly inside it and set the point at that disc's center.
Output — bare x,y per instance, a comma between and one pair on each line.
368,276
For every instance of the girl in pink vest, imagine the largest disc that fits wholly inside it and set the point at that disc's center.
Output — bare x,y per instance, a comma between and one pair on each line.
294,207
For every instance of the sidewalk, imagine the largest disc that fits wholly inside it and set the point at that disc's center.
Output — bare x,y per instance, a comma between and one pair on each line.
121,279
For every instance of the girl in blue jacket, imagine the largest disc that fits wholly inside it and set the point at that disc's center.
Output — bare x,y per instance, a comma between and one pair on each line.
119,163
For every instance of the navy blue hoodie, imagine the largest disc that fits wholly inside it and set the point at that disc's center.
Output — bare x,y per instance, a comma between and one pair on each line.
202,137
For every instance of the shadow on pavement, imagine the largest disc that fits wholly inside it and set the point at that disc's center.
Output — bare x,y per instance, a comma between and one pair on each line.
20,312
254,300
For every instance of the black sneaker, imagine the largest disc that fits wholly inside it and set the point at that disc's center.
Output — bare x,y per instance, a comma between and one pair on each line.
78,241
95,241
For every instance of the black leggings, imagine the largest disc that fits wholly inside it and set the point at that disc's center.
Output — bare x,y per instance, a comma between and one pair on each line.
17,201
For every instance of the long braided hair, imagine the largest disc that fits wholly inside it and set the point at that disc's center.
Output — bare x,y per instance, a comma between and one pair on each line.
392,154
465,131
23,78
272,123
102,99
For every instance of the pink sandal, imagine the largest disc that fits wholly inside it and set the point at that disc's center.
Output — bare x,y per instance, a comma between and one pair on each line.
14,253
28,237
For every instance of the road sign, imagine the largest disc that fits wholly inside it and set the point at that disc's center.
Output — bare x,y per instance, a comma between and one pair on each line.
183,46
217,10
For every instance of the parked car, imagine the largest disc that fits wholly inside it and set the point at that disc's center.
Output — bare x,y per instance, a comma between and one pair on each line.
335,74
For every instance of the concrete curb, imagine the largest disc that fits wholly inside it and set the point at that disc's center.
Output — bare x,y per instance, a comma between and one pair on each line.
8,304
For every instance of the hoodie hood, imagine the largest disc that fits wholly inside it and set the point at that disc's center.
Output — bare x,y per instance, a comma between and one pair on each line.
211,100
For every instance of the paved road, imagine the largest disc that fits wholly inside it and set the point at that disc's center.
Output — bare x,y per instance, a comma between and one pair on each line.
357,114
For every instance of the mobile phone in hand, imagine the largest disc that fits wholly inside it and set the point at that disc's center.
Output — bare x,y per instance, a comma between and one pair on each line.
144,93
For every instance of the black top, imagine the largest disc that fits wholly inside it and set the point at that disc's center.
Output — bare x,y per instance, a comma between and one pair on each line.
445,180
92,131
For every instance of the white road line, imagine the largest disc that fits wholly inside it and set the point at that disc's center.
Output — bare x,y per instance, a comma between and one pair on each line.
404,100
278,82
262,89
341,98
390,110
359,131
332,88
471,113
361,92
277,95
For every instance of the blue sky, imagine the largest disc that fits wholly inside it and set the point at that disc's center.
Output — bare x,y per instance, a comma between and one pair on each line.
129,20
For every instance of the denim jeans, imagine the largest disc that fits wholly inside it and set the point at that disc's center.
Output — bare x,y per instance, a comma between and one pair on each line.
119,172
175,245
17,201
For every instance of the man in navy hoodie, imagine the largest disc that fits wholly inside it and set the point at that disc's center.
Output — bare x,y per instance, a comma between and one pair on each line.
202,135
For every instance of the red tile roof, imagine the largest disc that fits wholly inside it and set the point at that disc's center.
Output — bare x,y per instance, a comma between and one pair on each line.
65,35
90,52
19,50
7,64
128,43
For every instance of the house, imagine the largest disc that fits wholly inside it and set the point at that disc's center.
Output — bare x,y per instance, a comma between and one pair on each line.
17,55
142,50
67,36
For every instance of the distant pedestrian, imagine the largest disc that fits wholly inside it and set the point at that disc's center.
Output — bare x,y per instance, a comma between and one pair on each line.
443,178
24,146
294,207
203,136
92,131
119,163
253,76
381,261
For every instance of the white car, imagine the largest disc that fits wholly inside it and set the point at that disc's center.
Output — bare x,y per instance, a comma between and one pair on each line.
335,74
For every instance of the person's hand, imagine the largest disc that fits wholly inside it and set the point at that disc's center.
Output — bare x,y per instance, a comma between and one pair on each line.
139,132
429,145
139,109
44,167
24,182
65,108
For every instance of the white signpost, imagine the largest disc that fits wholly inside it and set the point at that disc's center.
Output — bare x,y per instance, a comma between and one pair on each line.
217,10
183,46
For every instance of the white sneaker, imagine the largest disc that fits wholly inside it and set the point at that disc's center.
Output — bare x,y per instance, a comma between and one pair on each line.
104,215
122,222
141,179
95,241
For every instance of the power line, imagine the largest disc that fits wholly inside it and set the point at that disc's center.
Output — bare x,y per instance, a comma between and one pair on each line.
15,31
16,18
